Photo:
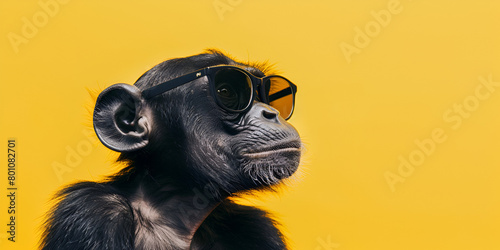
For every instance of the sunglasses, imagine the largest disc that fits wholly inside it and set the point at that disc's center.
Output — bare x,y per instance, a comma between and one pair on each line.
235,89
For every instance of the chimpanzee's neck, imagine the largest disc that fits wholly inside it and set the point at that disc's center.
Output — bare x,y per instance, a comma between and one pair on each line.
166,213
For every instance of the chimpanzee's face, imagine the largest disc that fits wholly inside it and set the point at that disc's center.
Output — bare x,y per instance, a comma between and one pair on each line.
233,150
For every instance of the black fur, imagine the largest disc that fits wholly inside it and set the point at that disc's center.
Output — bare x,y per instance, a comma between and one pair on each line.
233,226
97,216
185,158
90,216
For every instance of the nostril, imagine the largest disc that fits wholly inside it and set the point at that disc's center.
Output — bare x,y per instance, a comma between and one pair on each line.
269,114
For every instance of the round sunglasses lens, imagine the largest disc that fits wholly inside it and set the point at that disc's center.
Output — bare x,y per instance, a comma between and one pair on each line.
280,95
233,89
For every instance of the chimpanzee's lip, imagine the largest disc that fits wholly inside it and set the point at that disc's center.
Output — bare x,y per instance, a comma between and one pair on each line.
277,148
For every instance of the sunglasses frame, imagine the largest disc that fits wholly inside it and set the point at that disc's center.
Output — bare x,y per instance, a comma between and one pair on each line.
210,72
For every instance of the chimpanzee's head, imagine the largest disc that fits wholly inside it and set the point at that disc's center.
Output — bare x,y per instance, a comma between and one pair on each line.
204,120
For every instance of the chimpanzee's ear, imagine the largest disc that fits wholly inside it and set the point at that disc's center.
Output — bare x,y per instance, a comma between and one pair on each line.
120,119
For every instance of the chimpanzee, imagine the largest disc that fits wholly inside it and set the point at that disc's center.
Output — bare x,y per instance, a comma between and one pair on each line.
192,132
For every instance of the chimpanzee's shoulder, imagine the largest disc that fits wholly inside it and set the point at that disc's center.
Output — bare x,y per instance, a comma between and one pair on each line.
234,226
89,215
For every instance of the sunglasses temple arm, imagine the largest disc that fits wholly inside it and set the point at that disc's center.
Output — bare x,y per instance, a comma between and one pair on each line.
171,84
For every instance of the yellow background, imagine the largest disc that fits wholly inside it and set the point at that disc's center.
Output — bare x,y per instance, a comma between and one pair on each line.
356,118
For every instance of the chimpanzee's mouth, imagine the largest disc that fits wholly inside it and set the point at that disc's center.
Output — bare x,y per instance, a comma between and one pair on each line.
291,148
